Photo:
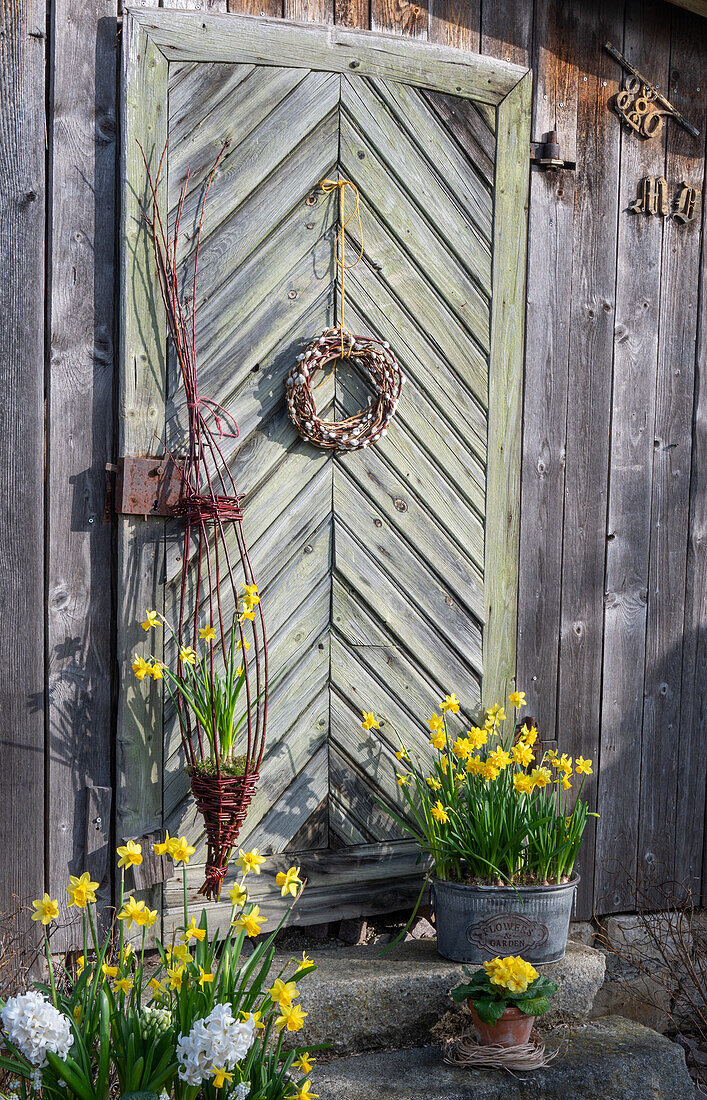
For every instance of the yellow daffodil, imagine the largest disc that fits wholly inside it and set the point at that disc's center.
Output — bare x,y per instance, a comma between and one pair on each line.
289,881
130,854
522,783
283,993
450,702
250,861
157,670
207,633
81,890
291,1018
251,593
306,961
477,737
401,754
436,722
370,722
305,1062
176,976
239,670
438,740
151,620
489,771
156,985
439,813
582,766
243,645
541,777
517,699
205,976
187,655
77,1013
247,614
109,971
529,735
446,762
402,780
133,912
140,667
180,952
251,922
303,1092
126,954
46,909
180,850
220,1076
475,765
566,785
150,917
238,895
462,748
192,932
163,846
81,964
497,713
432,783
258,1025
522,754
124,985
500,758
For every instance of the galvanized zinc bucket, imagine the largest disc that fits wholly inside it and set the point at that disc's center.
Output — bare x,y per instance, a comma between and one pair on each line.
477,923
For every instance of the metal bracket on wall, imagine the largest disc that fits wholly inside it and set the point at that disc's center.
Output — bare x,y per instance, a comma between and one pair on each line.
146,486
546,153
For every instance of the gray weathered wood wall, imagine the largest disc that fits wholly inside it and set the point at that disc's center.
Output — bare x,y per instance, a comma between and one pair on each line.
613,590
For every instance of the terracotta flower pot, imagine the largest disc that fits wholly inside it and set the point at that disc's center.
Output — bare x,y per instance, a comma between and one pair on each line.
513,1028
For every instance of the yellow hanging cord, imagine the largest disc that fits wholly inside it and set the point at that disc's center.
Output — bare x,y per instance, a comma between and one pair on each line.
341,185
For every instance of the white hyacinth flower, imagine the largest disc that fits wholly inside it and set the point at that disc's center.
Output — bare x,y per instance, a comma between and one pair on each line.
35,1026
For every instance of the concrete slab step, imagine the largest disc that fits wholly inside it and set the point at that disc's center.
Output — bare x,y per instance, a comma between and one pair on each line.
360,1000
608,1059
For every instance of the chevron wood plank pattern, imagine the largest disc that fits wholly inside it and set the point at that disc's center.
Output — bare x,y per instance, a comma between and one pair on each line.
370,564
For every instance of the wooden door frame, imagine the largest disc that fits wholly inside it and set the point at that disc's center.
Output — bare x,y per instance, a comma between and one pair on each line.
152,39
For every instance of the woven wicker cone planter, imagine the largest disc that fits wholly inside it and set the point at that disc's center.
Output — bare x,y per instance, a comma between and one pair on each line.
223,803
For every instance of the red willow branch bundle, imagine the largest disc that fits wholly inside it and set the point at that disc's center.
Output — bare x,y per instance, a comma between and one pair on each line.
210,507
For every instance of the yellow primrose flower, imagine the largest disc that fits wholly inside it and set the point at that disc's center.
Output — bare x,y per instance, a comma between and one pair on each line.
517,699
370,722
450,702
140,667
303,1092
124,985
207,633
133,912
130,854
477,737
305,1062
191,932
46,908
151,620
250,861
522,783
220,1076
205,976
436,723
291,1018
283,993
433,784
81,890
180,850
522,754
250,922
176,976
109,971
306,961
156,670
402,780
582,766
541,777
289,881
238,895
439,813
513,973
187,655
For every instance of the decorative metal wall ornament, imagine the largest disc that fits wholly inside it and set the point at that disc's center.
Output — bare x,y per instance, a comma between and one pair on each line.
686,203
641,105
210,507
373,358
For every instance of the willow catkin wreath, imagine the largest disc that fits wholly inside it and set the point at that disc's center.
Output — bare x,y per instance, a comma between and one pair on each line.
377,363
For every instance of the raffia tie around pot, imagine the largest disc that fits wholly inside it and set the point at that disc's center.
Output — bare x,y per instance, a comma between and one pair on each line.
372,358
467,1052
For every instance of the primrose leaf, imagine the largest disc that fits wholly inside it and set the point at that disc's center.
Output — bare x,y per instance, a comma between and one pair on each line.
489,1010
533,1006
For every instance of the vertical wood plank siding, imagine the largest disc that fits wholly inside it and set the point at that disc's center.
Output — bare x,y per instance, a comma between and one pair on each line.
613,567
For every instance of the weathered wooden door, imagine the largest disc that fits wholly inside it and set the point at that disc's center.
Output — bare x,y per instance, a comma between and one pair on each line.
388,575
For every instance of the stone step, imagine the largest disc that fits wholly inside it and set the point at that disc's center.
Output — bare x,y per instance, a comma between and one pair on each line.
360,1000
608,1059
